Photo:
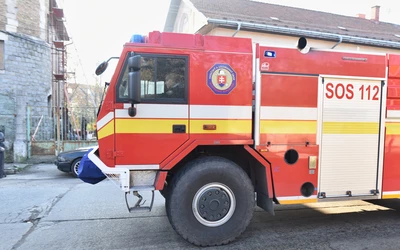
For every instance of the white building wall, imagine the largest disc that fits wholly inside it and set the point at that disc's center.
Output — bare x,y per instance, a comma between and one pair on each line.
189,19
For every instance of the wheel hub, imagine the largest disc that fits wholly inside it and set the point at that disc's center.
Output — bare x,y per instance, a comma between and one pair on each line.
76,168
214,204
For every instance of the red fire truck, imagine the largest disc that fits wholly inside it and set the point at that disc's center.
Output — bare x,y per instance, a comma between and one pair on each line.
219,125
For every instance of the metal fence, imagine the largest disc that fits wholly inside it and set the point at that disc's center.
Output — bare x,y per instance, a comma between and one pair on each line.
61,124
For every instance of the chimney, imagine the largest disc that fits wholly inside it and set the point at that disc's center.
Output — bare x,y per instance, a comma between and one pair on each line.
375,13
361,16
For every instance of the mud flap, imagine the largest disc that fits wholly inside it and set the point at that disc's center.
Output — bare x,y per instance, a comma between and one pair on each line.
265,203
263,200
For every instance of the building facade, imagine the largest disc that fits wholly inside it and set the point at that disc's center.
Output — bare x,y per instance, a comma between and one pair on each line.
277,25
32,71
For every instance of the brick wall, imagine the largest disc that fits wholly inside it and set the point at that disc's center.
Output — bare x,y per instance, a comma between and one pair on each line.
26,80
27,17
3,18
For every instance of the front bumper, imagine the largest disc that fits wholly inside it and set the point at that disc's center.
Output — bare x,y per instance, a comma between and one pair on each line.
119,176
130,178
63,166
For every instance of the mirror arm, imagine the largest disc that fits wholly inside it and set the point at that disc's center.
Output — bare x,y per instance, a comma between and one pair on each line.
103,66
132,110
114,57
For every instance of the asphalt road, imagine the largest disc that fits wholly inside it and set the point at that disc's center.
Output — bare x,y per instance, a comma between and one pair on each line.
43,208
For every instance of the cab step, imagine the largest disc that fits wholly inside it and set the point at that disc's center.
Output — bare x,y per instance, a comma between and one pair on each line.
139,204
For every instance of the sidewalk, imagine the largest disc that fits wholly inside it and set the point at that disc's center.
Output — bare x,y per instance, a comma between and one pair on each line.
13,168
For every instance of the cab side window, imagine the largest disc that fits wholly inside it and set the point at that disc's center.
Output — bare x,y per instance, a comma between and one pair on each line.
164,79
147,83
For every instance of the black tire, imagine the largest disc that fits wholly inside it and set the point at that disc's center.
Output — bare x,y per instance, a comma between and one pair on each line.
74,167
164,192
229,179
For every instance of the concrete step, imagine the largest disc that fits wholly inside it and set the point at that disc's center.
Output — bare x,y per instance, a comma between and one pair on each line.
14,168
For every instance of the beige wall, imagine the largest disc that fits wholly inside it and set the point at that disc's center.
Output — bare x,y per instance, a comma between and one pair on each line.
291,41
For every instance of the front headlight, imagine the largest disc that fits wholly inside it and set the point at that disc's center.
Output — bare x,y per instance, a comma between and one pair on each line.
60,158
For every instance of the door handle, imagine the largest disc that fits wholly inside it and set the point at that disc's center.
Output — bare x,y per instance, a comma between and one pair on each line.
177,129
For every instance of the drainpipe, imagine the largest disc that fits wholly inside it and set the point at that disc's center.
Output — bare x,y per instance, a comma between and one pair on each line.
28,130
340,41
314,34
238,28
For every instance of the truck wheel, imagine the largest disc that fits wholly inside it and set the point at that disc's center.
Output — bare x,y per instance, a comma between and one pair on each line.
210,202
164,191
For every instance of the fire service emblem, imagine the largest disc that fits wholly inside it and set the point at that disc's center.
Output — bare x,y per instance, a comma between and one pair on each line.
221,79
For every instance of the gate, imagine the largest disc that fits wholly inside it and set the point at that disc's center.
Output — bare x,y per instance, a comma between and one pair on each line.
52,130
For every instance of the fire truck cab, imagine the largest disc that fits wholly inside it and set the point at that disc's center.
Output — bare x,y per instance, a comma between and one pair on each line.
219,125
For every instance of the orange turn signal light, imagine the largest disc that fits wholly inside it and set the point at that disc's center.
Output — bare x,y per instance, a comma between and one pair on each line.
209,127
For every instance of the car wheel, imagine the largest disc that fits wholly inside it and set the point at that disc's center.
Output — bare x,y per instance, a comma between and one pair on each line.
75,166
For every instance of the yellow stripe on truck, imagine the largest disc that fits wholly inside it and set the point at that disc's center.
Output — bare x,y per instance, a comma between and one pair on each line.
106,130
147,126
310,127
299,201
390,196
222,126
350,128
393,128
164,126
288,127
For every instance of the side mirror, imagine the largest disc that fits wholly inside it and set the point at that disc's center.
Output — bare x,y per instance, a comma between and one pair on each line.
134,87
134,64
101,68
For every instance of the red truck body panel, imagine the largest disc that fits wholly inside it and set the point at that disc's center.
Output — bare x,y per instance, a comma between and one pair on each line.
144,146
391,173
291,84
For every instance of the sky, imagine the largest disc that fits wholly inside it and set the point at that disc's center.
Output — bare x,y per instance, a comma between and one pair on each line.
100,28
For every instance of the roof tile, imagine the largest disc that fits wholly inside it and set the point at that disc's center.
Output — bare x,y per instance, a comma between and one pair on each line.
291,17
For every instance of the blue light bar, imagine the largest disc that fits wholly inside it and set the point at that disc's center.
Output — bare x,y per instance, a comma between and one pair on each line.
270,53
137,39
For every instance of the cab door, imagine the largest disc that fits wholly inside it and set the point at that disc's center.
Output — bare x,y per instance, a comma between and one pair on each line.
160,125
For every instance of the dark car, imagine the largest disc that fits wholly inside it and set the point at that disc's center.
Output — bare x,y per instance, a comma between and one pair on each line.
69,161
